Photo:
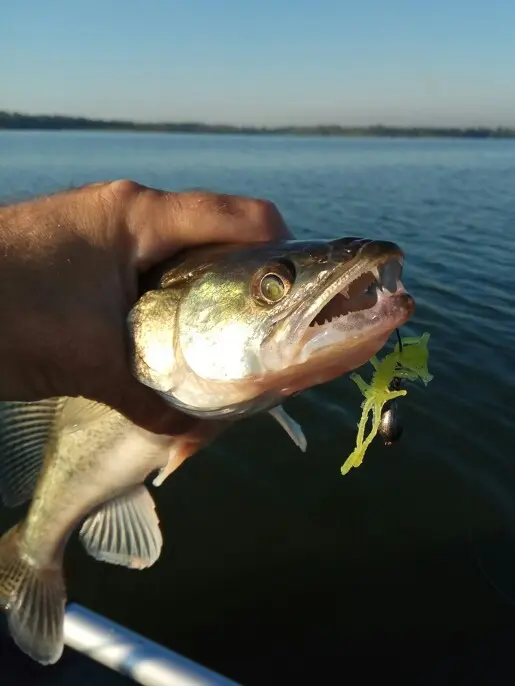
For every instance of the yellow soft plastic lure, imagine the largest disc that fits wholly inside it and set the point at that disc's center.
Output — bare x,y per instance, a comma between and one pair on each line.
406,361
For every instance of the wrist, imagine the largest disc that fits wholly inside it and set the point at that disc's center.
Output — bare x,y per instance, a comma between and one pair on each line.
31,238
17,279
64,285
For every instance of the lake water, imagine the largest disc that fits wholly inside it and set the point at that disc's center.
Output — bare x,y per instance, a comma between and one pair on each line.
276,569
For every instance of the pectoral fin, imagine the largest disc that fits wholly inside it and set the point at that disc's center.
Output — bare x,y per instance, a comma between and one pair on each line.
292,428
203,433
182,448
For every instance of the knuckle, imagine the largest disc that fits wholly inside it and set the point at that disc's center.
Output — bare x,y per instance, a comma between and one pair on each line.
208,202
269,220
124,189
266,210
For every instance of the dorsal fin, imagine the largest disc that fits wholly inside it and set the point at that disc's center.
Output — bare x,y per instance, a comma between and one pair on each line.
78,412
25,428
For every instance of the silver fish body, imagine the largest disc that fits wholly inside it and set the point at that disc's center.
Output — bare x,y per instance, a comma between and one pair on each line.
90,472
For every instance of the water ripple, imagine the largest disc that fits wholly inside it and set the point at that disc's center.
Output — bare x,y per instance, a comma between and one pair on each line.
451,206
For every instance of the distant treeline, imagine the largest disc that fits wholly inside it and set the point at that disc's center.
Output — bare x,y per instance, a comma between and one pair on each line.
17,121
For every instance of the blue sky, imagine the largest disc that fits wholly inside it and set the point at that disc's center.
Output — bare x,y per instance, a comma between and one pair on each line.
262,61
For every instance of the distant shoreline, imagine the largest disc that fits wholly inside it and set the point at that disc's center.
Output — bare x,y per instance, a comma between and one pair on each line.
14,121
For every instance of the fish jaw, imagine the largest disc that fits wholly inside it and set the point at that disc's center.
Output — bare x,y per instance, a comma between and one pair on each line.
351,317
326,354
348,322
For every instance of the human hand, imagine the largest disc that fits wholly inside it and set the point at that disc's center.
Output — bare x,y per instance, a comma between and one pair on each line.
69,266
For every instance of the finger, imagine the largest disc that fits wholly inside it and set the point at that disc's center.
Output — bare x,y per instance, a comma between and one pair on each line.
163,223
142,406
204,218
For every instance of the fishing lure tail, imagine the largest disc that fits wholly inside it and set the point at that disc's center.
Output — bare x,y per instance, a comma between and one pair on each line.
407,361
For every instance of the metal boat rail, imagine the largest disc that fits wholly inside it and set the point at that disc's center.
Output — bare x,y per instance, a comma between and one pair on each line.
132,655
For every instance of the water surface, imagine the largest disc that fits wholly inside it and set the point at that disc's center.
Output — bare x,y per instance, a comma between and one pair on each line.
275,567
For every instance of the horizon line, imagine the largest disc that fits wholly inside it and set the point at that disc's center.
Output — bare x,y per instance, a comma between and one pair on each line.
12,119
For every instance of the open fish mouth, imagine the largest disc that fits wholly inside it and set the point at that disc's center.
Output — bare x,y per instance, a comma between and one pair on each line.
362,294
366,302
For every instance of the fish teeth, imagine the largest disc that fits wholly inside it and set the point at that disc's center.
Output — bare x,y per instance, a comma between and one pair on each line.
375,272
345,293
328,322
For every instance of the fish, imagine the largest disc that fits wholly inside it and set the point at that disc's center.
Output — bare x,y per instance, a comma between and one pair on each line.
221,333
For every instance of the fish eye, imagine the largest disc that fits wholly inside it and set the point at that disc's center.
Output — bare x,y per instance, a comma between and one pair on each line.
272,288
272,283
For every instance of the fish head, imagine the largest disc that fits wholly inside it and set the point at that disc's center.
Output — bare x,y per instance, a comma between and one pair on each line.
236,329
